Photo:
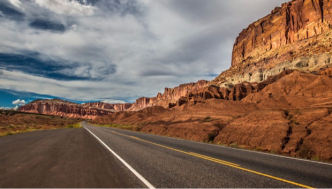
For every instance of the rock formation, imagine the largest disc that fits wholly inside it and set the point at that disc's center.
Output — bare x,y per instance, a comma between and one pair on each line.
233,93
142,102
296,35
169,97
106,106
69,109
173,94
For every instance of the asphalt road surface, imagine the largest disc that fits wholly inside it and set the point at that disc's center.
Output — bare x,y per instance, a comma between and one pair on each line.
107,157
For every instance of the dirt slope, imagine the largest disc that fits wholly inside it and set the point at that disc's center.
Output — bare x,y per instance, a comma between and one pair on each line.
290,116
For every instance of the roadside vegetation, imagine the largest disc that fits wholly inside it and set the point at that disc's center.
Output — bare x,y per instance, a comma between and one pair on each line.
14,122
118,126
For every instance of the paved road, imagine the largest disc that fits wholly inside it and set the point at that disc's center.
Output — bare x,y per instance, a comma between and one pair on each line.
107,157
167,162
70,158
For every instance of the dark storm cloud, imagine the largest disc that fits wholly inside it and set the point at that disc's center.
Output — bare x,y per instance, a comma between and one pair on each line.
9,12
47,25
30,64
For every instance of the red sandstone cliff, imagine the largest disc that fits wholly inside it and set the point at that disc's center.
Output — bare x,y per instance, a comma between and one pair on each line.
169,97
182,90
234,93
296,35
293,22
64,108
106,106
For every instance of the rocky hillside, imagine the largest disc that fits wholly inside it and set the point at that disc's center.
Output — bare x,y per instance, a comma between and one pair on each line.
291,115
296,35
69,109
106,106
169,97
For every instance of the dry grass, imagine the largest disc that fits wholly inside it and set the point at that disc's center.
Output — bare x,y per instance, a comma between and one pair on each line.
119,126
13,122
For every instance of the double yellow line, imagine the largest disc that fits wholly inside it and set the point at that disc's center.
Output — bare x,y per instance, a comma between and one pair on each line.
230,164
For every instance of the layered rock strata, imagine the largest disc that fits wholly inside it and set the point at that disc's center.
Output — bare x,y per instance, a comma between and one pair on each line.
106,106
64,108
296,35
169,97
235,92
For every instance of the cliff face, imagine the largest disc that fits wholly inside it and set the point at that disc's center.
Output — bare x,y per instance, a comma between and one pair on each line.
169,97
175,93
63,108
293,22
296,35
142,102
106,106
234,93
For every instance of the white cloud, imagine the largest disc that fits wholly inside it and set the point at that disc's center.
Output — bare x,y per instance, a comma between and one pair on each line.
125,49
19,102
114,101
67,7
16,3
1,14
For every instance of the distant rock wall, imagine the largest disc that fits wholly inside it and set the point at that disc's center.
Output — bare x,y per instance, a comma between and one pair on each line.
169,97
63,108
106,106
142,102
182,90
235,93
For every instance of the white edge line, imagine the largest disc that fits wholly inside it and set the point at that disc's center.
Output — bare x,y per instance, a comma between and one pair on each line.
147,183
246,150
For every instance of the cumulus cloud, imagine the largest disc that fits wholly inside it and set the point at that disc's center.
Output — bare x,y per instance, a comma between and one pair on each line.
121,50
66,7
19,102
114,101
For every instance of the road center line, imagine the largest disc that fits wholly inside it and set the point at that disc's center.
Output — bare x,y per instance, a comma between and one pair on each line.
147,183
218,161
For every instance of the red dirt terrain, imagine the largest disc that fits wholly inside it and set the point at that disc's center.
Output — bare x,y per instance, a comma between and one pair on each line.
290,116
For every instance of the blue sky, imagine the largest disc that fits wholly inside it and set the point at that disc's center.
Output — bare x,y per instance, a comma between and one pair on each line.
115,50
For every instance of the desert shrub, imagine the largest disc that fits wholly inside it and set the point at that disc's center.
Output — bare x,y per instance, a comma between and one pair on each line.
77,125
315,158
233,145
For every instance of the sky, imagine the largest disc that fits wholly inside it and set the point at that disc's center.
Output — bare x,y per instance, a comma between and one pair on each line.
115,50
